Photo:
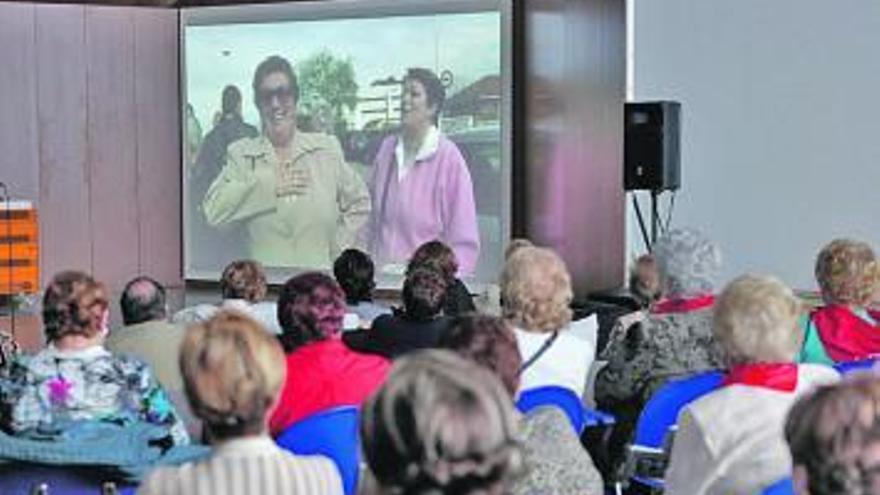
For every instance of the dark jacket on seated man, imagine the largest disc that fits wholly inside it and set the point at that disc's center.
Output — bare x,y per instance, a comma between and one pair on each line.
419,326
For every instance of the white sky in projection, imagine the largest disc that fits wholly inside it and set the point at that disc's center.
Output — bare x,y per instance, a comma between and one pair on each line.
468,45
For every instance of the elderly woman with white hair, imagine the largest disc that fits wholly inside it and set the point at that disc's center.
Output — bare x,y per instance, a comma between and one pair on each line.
674,340
731,441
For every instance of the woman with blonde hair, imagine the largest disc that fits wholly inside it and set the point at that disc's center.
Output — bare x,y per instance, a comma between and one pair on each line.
441,425
731,441
844,329
535,297
233,372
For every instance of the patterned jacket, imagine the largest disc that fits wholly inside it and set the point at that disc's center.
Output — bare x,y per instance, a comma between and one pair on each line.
56,387
653,351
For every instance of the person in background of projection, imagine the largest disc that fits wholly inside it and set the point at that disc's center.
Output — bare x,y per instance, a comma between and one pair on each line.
301,204
421,186
844,329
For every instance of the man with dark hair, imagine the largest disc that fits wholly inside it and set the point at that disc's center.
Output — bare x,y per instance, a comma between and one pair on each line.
218,246
420,325
354,270
148,335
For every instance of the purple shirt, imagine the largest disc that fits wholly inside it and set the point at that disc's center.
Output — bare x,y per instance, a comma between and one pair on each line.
433,200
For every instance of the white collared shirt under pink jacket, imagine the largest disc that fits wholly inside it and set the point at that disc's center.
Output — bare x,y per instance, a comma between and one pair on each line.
432,199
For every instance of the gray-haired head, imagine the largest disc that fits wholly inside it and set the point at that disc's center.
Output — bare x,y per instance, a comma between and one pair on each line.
688,262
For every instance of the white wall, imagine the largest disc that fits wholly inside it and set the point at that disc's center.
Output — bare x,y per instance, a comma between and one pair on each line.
780,122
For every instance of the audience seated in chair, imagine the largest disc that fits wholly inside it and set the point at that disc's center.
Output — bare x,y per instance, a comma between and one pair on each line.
243,288
148,335
556,462
75,378
834,436
322,371
233,371
354,271
536,293
675,339
419,326
438,256
730,441
844,329
441,425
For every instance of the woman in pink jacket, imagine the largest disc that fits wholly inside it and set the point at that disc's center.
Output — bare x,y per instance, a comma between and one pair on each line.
421,187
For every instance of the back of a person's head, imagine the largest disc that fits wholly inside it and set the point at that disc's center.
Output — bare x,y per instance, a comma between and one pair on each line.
755,321
688,262
74,304
848,272
353,270
441,425
232,372
311,307
435,255
243,279
143,299
424,293
490,342
834,436
536,290
515,245
644,280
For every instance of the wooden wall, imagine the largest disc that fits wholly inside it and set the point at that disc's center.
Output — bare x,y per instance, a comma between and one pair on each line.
89,130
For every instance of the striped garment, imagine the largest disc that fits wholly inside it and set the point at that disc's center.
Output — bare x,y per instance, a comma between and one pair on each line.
253,466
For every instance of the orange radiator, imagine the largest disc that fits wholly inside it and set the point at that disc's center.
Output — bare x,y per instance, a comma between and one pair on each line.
19,248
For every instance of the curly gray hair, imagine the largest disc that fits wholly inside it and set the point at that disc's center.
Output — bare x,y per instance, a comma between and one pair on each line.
688,262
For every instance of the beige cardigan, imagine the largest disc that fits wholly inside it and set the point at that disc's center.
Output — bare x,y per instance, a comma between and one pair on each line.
731,441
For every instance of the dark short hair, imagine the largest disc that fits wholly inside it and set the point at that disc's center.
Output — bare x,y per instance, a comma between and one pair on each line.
441,424
488,341
311,308
73,304
143,299
353,270
834,433
435,255
243,279
273,64
231,100
424,294
434,90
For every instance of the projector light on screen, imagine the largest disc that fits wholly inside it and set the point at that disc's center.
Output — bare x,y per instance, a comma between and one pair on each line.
311,128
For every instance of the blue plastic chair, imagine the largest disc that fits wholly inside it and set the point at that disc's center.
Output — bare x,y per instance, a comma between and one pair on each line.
851,366
332,433
579,416
19,478
660,415
781,487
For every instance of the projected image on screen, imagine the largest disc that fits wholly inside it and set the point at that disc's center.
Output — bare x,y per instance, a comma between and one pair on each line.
307,137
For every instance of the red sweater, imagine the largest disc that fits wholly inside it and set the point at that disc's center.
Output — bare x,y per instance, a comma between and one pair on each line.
322,375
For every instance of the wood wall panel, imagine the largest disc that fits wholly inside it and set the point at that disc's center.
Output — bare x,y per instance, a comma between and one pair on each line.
18,121
158,160
112,144
65,213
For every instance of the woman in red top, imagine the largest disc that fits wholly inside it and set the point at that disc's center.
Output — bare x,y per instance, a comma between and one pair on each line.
321,371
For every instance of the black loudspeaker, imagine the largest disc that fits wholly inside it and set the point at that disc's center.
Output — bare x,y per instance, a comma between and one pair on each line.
651,155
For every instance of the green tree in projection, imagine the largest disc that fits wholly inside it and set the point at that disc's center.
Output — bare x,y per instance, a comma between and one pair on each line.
328,92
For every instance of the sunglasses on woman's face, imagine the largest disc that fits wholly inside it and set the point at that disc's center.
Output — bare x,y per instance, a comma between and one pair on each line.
283,93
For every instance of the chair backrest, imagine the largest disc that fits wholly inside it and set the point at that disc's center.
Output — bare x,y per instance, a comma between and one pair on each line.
20,478
661,411
850,366
332,433
553,395
781,487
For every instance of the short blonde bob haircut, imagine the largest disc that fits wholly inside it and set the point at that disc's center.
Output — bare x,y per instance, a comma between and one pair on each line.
756,321
232,371
536,290
847,272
